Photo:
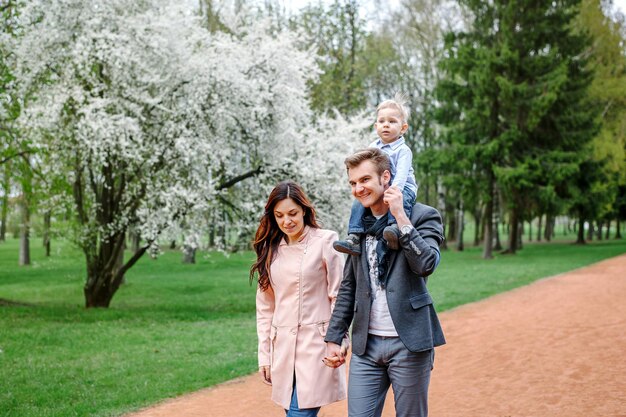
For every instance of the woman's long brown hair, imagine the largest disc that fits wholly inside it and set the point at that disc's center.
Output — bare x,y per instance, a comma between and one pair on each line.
269,235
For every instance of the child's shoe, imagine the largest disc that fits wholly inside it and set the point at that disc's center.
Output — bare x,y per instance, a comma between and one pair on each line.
351,246
392,236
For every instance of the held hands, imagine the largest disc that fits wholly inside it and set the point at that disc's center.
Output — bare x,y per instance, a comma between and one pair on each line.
266,374
335,354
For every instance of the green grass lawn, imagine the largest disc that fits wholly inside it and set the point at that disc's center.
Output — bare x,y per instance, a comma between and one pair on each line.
175,328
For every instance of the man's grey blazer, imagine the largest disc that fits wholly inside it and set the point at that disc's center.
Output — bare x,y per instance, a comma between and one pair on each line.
410,304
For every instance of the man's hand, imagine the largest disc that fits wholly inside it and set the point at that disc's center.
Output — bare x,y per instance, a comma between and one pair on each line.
335,355
345,345
266,374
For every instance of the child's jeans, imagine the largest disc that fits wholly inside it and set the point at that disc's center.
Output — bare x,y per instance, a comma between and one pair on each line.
355,225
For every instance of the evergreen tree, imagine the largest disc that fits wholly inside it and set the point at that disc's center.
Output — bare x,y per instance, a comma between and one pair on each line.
546,111
469,110
607,151
515,102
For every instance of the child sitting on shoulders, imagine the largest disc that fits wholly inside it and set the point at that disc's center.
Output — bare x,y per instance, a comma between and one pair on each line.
391,123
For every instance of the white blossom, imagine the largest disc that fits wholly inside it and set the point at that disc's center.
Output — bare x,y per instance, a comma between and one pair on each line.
138,99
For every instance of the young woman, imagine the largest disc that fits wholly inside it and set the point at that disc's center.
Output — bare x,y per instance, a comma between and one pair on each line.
299,275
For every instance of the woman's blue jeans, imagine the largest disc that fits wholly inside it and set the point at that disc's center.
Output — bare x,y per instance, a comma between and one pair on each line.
294,411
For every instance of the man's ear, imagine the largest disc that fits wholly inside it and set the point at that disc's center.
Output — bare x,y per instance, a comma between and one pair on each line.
386,177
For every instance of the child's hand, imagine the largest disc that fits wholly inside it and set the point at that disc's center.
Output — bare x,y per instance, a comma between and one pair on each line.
393,198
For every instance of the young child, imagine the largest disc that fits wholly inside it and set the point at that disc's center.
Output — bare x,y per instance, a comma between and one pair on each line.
391,123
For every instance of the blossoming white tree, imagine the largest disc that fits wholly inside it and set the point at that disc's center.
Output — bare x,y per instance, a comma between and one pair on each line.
150,119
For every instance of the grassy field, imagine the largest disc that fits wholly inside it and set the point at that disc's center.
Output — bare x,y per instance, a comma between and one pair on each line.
175,328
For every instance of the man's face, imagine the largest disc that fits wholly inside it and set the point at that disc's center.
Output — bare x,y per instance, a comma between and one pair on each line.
367,186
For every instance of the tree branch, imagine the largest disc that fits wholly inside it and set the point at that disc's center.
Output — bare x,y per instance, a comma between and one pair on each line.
239,178
8,158
119,275
77,188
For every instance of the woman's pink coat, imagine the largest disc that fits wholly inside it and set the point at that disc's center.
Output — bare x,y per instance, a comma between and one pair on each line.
292,318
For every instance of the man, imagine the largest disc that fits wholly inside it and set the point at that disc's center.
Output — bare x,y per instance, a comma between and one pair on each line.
383,295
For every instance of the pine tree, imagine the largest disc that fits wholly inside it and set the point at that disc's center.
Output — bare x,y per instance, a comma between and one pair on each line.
515,102
470,103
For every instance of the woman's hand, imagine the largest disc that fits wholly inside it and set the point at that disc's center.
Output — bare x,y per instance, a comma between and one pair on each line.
266,374
335,355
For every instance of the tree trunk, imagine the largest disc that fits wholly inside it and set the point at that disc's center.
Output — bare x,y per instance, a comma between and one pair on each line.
618,230
608,230
590,231
547,231
119,263
520,234
496,226
173,244
477,223
189,255
452,225
530,230
6,189
460,226
3,220
99,289
599,230
513,232
497,243
102,266
135,241
105,273
481,236
211,235
580,237
539,228
24,232
46,232
221,229
441,206
488,223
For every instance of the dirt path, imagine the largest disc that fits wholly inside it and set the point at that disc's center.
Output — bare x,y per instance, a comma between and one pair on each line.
554,348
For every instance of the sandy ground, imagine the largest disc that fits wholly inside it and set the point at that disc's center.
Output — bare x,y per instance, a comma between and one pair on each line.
556,347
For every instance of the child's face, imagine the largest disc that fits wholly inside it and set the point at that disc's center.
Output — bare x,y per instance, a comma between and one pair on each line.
390,125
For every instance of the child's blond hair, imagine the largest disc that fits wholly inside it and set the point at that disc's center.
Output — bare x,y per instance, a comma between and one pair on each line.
398,102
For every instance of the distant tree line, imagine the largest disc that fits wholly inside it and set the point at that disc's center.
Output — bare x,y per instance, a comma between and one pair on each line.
126,125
